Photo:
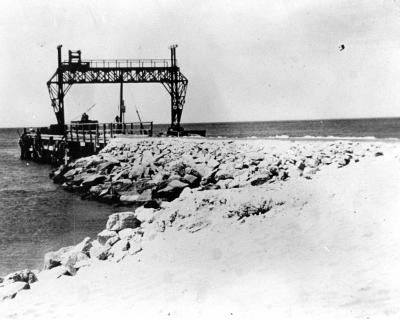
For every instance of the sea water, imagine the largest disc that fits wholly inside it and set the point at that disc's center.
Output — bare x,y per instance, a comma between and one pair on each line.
36,215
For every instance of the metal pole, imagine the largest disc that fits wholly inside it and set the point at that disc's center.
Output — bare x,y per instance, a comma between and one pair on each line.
60,92
121,103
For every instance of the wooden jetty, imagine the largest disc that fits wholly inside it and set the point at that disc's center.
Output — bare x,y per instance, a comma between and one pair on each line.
78,140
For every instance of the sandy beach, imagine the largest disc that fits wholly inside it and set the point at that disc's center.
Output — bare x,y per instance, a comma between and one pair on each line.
272,229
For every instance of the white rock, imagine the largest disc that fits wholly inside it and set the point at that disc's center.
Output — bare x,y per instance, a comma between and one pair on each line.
177,183
105,235
53,259
54,273
26,276
83,246
113,240
71,259
118,248
99,251
132,198
145,214
212,163
126,233
119,221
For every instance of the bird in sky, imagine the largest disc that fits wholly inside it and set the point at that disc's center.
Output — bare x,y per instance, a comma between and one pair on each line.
341,47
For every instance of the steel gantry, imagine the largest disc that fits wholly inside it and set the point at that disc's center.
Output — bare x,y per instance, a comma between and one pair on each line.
78,71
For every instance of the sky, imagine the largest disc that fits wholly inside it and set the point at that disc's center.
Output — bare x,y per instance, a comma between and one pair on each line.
245,60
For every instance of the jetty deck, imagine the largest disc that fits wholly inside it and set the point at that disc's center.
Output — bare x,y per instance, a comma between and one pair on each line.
78,140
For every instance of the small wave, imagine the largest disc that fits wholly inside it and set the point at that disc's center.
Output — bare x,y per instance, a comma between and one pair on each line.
340,137
310,137
26,191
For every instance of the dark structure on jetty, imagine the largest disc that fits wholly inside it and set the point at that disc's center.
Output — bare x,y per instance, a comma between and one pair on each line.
64,141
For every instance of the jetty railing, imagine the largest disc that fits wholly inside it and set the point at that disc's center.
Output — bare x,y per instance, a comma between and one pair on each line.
80,139
90,132
102,132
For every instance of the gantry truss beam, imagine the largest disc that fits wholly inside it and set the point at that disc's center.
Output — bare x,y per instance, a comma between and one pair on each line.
76,71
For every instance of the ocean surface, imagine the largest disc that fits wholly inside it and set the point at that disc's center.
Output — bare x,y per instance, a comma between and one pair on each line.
37,216
308,129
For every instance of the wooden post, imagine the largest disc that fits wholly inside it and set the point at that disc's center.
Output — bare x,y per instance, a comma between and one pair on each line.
97,136
111,130
83,132
151,129
77,133
104,134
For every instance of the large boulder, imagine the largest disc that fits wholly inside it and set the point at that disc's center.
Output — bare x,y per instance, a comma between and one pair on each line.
136,172
70,260
223,174
177,167
192,180
105,235
126,233
26,276
94,180
119,249
259,179
255,156
96,190
83,246
73,258
122,184
53,259
169,193
129,198
224,183
122,174
107,166
68,256
213,163
135,198
119,221
147,157
112,241
71,173
58,175
145,214
99,251
177,184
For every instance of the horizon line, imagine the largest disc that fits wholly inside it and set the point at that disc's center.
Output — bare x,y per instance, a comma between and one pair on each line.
248,121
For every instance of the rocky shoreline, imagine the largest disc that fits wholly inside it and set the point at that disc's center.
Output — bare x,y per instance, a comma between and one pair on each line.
147,172
182,184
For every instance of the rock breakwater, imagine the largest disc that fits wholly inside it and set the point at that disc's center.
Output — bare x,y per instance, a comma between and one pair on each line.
146,172
182,184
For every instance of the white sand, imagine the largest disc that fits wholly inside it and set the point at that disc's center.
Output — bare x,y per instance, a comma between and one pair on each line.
331,252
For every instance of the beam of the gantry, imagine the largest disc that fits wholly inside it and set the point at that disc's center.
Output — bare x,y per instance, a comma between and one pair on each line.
121,103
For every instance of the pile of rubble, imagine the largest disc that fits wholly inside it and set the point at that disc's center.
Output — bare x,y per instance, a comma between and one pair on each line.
146,172
185,184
